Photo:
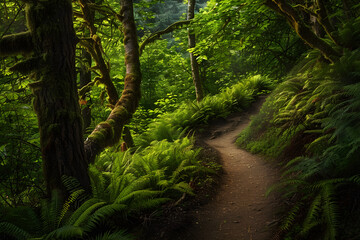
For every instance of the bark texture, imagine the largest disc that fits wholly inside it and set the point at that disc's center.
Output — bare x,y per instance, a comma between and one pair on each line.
56,99
194,64
108,132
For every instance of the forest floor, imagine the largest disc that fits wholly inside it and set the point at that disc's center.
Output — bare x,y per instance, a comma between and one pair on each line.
239,210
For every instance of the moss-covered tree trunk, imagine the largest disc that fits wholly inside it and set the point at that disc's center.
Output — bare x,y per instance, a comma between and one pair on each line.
51,40
56,100
109,132
194,64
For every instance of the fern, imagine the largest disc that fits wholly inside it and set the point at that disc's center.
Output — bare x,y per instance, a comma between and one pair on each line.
291,216
102,214
183,187
13,231
330,212
98,182
288,182
313,215
51,211
65,232
78,212
136,195
83,213
74,196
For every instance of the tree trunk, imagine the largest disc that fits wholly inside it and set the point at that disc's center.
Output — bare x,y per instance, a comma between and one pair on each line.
85,78
128,138
109,132
194,64
55,90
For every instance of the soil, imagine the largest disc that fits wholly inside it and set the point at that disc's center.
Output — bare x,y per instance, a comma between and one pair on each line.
239,209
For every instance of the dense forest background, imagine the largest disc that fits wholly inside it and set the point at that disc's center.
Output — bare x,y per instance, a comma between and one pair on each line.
101,100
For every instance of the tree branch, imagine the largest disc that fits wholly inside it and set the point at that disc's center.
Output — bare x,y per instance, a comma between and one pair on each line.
302,30
323,19
155,36
14,44
109,132
94,47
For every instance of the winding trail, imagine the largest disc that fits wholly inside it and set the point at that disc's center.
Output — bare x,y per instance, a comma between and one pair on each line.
240,209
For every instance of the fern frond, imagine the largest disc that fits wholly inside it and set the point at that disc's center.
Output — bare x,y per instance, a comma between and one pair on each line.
50,211
73,197
330,211
71,184
78,212
313,213
294,161
135,186
83,214
183,187
98,182
13,231
325,183
291,216
137,195
65,232
281,185
102,214
323,140
311,225
355,179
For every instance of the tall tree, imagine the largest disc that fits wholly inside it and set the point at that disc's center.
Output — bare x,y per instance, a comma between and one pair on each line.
51,42
52,67
194,64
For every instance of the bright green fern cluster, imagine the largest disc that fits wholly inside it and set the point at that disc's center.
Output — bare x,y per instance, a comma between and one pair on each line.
157,173
191,115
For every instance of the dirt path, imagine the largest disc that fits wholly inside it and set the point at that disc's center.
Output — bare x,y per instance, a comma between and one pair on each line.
239,210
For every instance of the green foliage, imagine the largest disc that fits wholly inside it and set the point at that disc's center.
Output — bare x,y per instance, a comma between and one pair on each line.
57,221
190,115
311,122
20,164
247,38
321,202
148,177
144,116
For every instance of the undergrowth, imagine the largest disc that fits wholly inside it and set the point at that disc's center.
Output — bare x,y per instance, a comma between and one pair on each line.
194,115
311,124
129,186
